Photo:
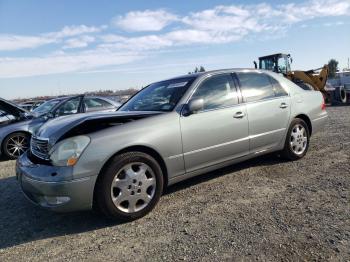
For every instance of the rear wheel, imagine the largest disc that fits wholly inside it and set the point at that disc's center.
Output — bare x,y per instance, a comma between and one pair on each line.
15,145
342,95
130,186
297,141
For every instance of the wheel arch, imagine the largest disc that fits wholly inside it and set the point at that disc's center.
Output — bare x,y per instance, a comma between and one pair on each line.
138,148
307,121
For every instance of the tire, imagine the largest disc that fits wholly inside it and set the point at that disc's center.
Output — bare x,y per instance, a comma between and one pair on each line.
297,140
129,187
342,95
15,145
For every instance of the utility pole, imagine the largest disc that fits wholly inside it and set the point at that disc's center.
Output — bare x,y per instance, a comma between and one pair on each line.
348,63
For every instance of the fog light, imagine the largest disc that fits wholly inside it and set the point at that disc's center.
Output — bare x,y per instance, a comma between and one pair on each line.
53,201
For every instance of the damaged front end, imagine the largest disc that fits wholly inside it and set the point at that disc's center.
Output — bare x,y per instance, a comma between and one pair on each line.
61,141
11,113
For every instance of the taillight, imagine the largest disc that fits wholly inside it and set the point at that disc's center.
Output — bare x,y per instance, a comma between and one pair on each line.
323,105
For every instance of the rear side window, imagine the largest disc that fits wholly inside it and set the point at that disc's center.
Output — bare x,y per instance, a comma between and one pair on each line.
277,88
217,91
255,86
95,104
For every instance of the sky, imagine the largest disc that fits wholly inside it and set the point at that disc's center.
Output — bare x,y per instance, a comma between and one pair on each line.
62,47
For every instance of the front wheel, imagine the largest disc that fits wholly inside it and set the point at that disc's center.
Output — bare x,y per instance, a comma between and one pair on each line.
130,186
297,141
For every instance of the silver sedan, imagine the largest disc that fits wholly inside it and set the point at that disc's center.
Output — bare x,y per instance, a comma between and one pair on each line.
171,130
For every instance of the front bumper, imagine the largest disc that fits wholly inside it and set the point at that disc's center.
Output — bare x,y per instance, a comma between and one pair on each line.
54,187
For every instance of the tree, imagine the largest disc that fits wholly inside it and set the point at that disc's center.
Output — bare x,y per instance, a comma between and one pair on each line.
196,70
333,67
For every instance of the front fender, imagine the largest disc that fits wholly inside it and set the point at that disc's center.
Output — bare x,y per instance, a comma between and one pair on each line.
160,133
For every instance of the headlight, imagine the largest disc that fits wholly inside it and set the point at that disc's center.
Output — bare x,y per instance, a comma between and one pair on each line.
68,151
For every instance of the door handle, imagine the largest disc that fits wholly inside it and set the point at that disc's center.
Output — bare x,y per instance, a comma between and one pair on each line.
283,105
239,115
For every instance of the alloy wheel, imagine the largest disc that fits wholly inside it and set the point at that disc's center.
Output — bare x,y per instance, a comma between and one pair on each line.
298,139
133,187
17,145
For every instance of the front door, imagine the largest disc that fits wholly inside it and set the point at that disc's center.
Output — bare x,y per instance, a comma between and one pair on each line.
218,132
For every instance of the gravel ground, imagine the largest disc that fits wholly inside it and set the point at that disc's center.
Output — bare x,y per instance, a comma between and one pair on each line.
264,209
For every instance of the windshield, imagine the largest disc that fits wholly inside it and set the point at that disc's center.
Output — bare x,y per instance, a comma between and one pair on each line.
161,96
46,107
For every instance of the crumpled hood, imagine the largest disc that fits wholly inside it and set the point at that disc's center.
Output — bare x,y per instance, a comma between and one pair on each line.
11,108
57,128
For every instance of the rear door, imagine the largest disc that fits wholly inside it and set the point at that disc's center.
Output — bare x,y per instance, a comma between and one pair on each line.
219,132
268,108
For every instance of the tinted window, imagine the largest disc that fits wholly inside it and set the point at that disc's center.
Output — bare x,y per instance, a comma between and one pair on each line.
95,104
277,88
255,86
69,107
217,92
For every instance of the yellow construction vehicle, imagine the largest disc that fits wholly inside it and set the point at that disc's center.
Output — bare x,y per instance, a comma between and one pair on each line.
314,79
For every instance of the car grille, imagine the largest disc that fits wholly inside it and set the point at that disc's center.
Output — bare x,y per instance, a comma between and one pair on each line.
40,147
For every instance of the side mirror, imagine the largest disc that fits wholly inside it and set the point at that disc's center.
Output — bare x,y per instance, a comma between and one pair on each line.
255,64
194,106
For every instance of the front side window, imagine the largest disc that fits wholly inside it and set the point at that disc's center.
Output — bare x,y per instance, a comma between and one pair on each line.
255,86
162,96
217,91
69,107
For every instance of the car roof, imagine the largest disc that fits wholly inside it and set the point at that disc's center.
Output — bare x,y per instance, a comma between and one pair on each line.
227,70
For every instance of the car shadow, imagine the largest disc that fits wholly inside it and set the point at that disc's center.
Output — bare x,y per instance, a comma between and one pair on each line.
22,222
265,160
3,159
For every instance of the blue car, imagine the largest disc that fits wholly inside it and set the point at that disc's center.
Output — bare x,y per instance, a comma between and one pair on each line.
17,124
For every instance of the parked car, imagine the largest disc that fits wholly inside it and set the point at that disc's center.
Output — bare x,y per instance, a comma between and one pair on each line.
15,133
170,131
10,113
31,105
